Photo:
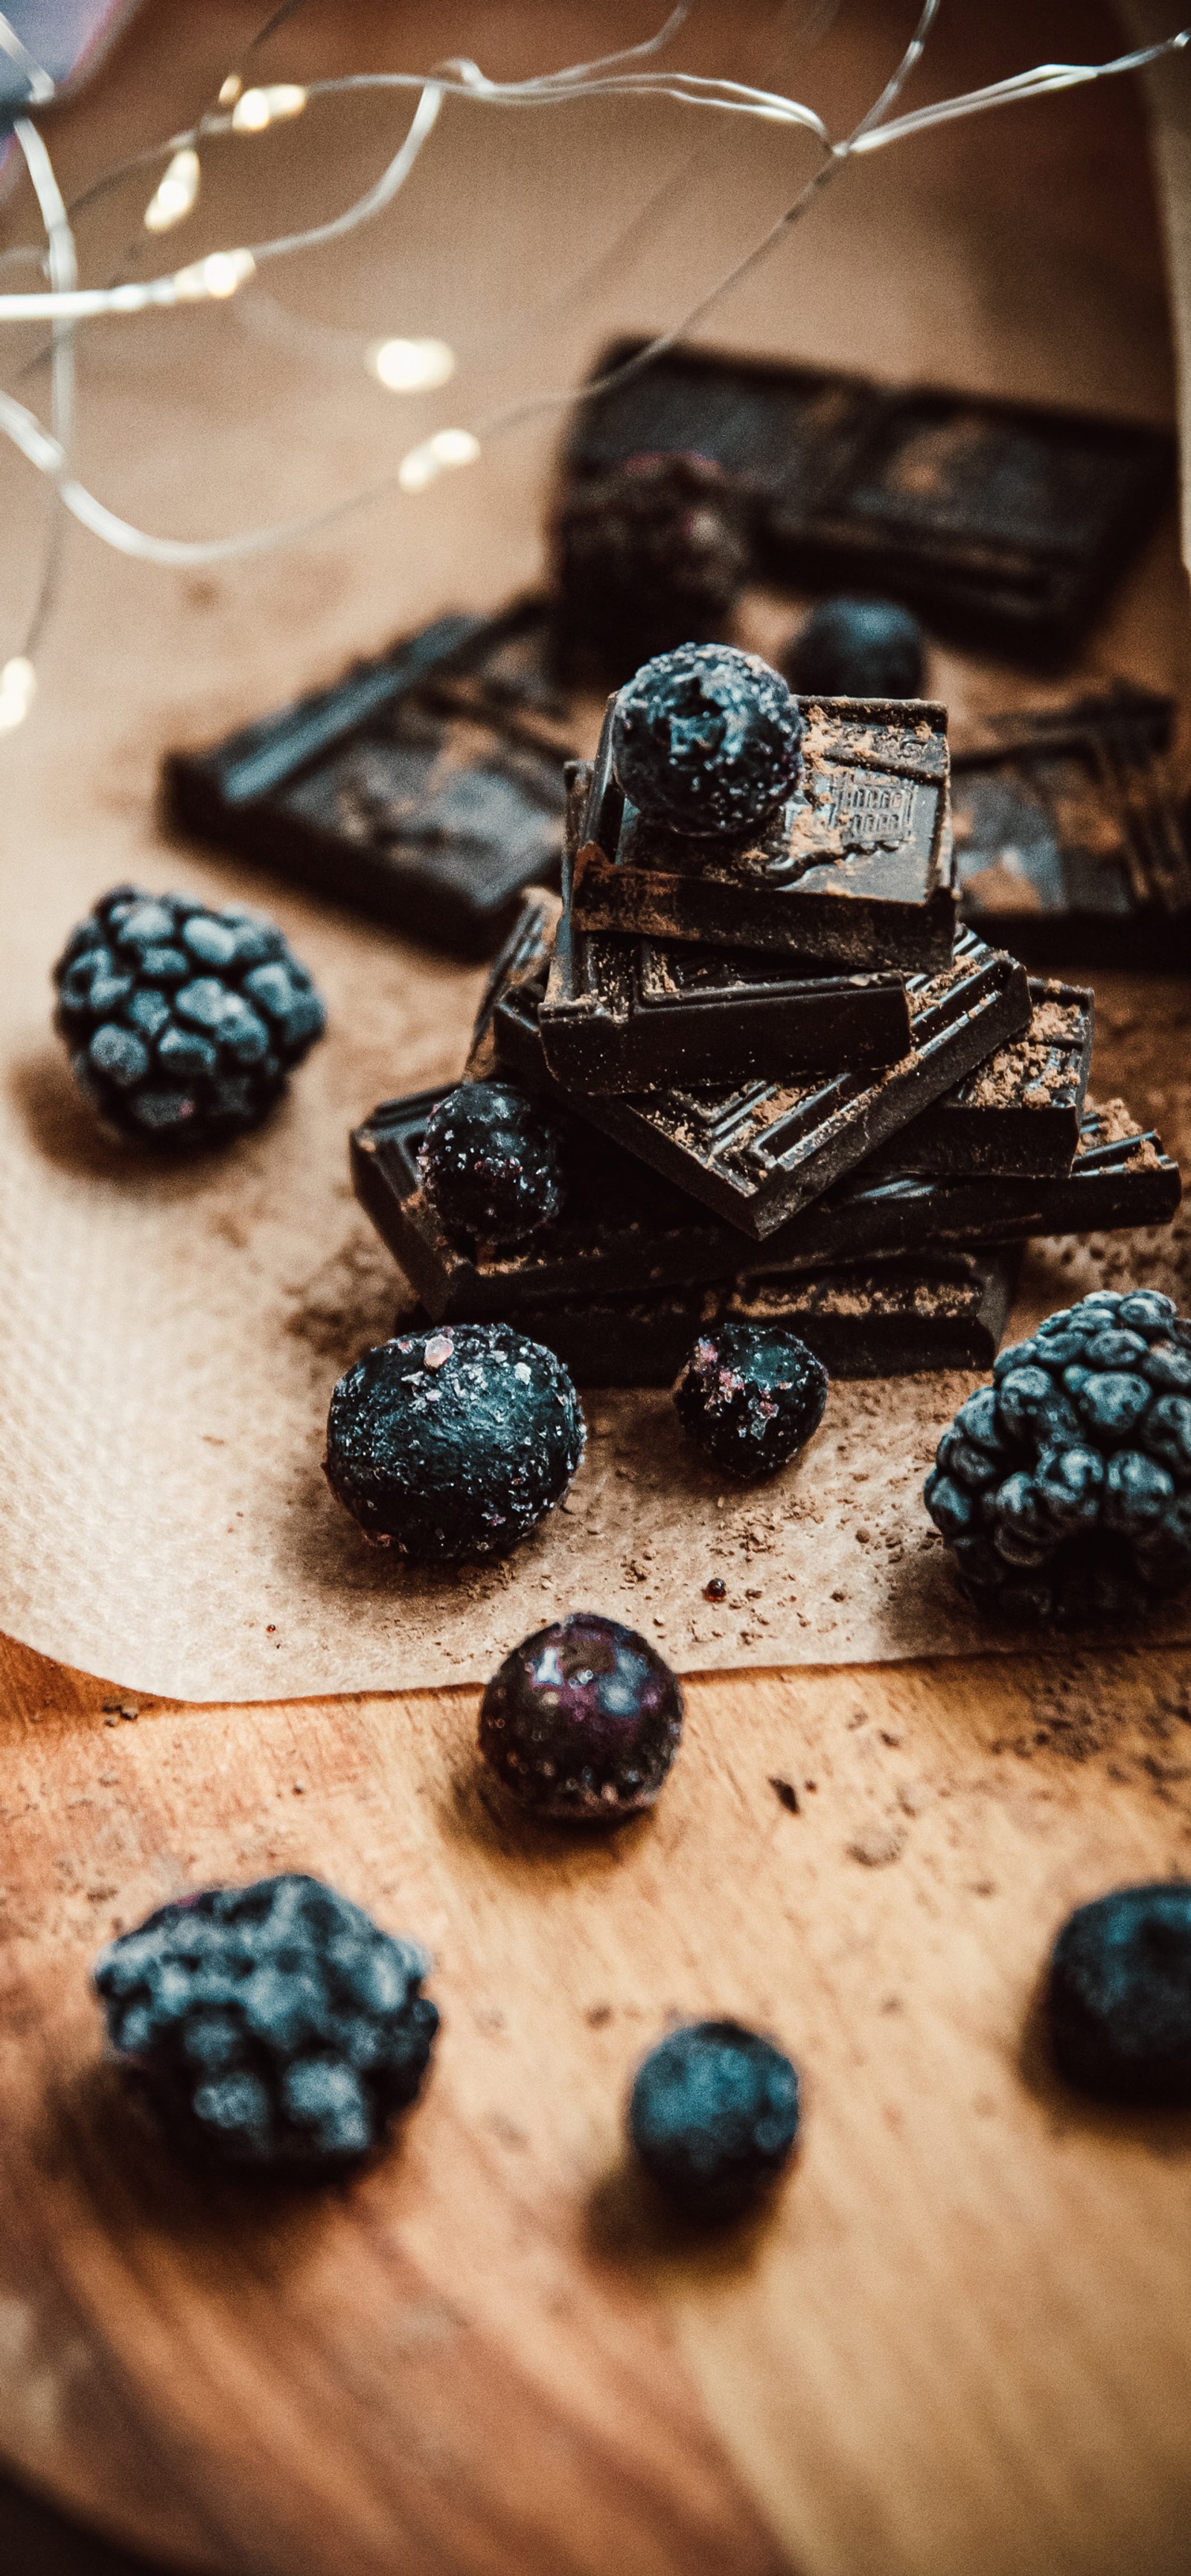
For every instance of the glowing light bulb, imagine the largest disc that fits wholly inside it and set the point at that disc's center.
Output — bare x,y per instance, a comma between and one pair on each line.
412,366
219,274
260,107
176,192
231,90
447,448
18,688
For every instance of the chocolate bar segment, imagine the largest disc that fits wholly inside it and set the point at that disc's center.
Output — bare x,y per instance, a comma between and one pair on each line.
641,1014
426,789
624,1231
1070,845
855,874
1018,1114
1006,522
757,1152
945,1312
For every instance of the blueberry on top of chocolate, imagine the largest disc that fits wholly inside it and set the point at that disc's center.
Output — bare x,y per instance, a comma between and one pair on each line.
648,554
706,740
857,648
1064,1488
273,2026
582,1721
713,2116
493,1163
183,1023
452,1443
1118,1995
750,1396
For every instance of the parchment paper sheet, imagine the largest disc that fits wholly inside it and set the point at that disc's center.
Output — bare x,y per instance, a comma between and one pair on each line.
169,1336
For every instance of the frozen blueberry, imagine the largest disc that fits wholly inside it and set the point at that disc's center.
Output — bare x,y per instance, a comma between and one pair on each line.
452,1443
706,740
713,2116
856,648
751,1396
1064,1488
493,1162
272,2026
650,553
183,1024
582,1721
1118,1995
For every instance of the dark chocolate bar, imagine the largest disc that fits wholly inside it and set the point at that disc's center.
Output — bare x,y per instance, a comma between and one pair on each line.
1069,842
624,1230
758,1152
947,1311
1006,522
643,1014
854,874
426,789
1018,1114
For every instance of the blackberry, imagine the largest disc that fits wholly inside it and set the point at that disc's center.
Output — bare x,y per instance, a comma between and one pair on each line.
272,2026
582,1721
493,1162
706,740
648,554
856,648
452,1443
750,1396
1118,1995
182,1023
1064,1488
713,2116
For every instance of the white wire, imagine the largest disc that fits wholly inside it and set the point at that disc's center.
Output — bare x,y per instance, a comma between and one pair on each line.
63,267
874,130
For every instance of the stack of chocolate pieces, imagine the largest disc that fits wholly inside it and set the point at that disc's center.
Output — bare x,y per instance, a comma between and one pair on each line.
793,1087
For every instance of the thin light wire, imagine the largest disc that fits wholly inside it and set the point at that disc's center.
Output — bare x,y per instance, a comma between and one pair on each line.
63,267
464,80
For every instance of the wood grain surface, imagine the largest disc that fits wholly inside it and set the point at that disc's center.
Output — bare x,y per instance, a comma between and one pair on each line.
960,2339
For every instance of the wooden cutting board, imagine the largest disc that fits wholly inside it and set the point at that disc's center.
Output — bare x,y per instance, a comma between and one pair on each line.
961,2338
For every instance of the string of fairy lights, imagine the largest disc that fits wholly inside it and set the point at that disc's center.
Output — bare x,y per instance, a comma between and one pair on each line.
404,366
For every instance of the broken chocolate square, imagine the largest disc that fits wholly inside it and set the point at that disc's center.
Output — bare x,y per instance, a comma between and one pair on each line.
853,875
425,789
1020,1112
642,1014
1069,842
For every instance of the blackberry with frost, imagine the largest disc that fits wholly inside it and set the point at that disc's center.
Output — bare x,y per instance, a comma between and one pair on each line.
1064,1488
273,2026
707,740
182,1023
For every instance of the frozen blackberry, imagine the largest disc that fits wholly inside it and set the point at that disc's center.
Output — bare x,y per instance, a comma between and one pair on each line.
493,1162
182,1023
1118,1995
648,554
1064,1488
706,740
713,2116
452,1443
856,648
272,2026
582,1721
750,1396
